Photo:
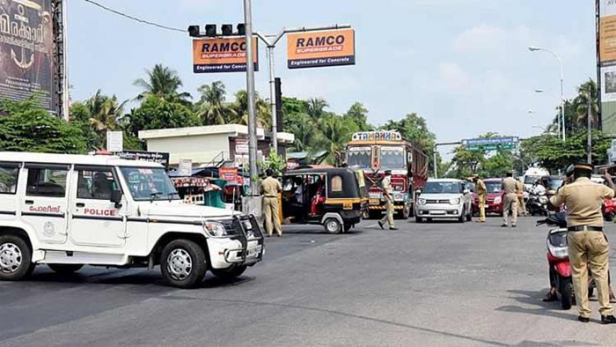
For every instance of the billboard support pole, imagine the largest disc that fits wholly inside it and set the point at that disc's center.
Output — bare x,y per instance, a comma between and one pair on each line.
589,125
271,41
250,87
65,84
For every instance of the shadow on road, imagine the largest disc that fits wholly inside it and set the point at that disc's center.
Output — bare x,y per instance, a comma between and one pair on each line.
540,308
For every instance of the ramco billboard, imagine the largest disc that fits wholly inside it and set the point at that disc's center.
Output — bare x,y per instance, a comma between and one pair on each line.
222,55
321,48
26,51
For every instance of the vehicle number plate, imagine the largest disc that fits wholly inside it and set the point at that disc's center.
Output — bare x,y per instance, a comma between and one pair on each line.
254,251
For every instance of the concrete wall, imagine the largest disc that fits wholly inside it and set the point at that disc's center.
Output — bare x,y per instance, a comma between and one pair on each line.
200,149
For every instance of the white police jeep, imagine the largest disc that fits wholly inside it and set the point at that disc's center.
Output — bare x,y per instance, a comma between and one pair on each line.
67,211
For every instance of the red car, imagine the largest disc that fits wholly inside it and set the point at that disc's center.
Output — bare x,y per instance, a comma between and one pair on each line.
494,201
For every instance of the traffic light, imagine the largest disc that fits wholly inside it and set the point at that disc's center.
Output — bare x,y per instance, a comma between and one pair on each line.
241,29
279,114
227,29
210,30
194,31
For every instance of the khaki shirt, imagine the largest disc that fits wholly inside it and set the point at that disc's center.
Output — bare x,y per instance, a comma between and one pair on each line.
386,183
270,187
510,186
480,188
583,199
520,188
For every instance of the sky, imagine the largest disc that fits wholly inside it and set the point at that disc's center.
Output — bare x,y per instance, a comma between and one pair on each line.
463,65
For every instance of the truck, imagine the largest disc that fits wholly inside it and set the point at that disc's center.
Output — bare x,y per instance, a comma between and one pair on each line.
374,152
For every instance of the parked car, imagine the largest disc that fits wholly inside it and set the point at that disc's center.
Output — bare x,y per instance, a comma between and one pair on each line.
494,200
444,198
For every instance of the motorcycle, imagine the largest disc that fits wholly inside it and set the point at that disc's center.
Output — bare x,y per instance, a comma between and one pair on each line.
537,204
558,258
608,208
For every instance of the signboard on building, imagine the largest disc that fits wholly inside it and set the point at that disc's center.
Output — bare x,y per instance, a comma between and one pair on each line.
26,48
115,141
491,144
185,167
321,48
241,146
606,39
156,157
228,174
212,55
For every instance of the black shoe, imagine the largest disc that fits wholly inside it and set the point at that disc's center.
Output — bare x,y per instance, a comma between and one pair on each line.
608,319
586,319
381,225
550,297
393,228
503,225
514,226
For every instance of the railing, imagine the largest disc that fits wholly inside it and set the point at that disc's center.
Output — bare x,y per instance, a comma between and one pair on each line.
217,161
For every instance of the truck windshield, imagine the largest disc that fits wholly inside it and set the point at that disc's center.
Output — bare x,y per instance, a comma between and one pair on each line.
147,183
392,158
359,157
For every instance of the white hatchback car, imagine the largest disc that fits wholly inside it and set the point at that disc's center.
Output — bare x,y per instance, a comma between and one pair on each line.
444,198
67,211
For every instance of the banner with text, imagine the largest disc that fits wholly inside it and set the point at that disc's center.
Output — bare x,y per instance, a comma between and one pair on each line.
321,48
26,48
222,55
607,63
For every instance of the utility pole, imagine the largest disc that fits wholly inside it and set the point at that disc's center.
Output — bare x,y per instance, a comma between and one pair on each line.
250,87
589,124
271,41
435,162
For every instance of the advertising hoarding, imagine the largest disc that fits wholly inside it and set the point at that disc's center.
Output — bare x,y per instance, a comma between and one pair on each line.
321,48
26,51
606,40
211,55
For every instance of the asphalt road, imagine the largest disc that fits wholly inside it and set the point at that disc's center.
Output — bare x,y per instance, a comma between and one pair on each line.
437,284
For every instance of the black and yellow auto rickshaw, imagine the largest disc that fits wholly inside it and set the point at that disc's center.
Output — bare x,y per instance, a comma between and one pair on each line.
333,197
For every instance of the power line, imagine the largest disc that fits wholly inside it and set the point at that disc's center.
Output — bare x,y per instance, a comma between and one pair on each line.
134,18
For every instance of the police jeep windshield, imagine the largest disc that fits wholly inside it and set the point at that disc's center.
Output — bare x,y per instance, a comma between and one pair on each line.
147,183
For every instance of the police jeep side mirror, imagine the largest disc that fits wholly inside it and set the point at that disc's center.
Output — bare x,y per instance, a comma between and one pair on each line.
116,198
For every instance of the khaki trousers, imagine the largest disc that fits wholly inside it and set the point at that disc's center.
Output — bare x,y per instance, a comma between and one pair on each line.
521,205
511,205
389,217
482,207
589,249
270,210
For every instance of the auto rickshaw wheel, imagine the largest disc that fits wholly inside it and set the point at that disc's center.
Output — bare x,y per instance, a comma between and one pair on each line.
332,226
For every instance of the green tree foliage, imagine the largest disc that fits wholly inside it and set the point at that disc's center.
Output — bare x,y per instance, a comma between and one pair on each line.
212,108
158,113
415,128
28,128
358,114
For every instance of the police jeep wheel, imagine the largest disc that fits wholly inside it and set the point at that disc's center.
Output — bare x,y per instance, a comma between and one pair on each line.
230,273
183,263
65,269
15,258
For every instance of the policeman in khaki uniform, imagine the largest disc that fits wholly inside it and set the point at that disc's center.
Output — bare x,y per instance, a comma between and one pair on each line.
510,188
588,246
521,202
482,192
270,187
389,202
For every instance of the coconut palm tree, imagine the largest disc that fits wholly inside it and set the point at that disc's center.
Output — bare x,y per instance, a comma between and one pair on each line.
332,138
162,82
587,94
105,112
241,109
212,108
316,108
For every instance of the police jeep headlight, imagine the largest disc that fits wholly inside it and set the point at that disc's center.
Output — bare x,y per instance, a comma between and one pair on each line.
421,201
454,201
215,229
497,200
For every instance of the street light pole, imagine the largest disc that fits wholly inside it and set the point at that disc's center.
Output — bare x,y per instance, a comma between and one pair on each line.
589,124
250,87
560,117
562,86
271,41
